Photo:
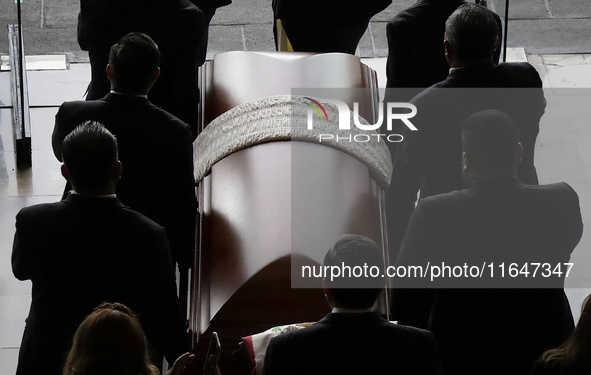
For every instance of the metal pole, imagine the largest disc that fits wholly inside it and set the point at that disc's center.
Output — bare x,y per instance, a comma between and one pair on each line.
506,29
21,58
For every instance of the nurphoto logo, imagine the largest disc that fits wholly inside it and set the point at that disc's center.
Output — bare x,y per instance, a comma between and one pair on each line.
345,120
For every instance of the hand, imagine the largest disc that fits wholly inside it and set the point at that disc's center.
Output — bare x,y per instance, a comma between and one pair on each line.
181,363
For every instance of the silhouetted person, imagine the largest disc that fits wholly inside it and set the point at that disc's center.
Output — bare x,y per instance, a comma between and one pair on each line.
155,147
429,159
87,249
325,25
573,357
353,338
497,220
177,27
416,56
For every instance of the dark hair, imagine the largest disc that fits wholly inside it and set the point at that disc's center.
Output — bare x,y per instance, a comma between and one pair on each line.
472,31
490,140
352,251
109,341
89,153
133,60
576,351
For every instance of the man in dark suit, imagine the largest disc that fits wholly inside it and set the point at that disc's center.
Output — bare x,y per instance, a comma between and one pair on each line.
176,26
353,338
416,56
429,159
88,249
155,147
326,25
500,221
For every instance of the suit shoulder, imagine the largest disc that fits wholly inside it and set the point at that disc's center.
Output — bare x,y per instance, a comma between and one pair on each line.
71,114
140,219
442,207
416,333
402,18
523,74
169,120
415,340
40,211
444,199
561,190
554,188
402,22
522,66
138,227
82,104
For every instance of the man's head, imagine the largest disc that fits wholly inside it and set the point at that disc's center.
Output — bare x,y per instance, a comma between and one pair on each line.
471,36
90,159
491,146
133,64
361,255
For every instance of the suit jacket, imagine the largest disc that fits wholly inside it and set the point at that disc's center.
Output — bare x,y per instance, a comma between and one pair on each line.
328,25
416,56
156,151
81,252
430,159
176,27
492,331
353,344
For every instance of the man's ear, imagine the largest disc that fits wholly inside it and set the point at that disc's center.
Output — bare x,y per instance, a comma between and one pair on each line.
449,53
466,167
65,172
464,161
519,152
109,73
325,287
118,168
327,293
156,74
448,48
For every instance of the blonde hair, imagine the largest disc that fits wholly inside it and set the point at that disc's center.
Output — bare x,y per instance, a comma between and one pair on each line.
110,341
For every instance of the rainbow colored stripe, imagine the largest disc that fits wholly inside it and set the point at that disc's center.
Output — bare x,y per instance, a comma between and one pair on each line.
316,109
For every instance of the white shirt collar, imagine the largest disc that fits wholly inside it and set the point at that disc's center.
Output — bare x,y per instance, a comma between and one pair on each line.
95,196
340,310
135,96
